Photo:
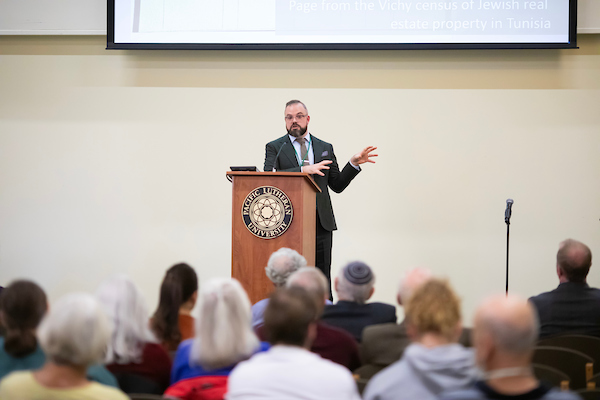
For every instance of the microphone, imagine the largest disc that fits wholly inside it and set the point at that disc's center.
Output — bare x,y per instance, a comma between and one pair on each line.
275,162
507,213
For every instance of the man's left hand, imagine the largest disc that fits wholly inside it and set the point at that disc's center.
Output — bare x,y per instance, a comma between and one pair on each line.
364,156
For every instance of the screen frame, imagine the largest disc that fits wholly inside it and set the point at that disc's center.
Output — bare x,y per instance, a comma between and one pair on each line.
111,45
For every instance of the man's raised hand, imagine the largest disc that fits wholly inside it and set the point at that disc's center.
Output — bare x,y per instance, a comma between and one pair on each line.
316,168
364,156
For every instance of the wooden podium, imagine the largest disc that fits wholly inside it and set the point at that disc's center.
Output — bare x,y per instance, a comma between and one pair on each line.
270,210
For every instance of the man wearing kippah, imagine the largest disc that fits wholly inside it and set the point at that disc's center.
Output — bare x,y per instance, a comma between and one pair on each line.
354,285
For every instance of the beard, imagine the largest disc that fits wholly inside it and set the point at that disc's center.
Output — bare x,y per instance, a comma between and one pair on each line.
297,131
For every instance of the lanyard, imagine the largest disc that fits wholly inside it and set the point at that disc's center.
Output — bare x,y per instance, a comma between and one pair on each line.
306,155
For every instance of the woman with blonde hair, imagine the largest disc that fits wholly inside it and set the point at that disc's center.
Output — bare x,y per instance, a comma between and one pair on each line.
224,337
434,362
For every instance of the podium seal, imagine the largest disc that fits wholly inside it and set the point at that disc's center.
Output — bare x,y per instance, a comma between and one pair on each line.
267,212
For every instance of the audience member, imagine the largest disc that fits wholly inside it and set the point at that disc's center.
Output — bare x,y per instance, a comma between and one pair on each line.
288,370
505,334
330,342
434,362
224,337
354,285
23,304
74,335
573,306
384,344
139,363
1,323
280,266
172,321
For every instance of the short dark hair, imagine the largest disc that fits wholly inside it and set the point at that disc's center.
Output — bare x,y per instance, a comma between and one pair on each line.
289,313
574,259
292,102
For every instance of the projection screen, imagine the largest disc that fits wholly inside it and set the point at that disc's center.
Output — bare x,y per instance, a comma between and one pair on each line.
341,24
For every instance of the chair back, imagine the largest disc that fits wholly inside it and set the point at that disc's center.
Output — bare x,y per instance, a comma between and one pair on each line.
134,383
589,394
144,396
551,376
589,345
573,363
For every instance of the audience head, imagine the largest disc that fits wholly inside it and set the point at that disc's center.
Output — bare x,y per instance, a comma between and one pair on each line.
282,264
355,282
410,281
126,308
179,289
23,304
505,332
224,333
434,309
314,282
573,261
290,317
75,332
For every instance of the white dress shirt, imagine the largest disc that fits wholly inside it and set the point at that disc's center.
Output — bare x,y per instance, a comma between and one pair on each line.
296,144
290,372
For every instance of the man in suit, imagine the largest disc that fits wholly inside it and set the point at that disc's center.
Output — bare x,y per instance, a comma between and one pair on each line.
573,306
354,286
300,151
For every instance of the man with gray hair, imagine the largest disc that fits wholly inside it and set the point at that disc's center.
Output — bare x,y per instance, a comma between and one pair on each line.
505,333
330,342
282,263
573,306
354,285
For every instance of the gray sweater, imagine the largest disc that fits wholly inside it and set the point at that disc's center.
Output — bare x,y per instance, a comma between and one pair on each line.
424,373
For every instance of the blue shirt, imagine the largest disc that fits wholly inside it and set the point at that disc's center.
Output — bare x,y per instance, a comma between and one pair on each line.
183,368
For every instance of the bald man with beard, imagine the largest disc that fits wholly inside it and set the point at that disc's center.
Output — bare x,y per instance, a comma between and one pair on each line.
505,334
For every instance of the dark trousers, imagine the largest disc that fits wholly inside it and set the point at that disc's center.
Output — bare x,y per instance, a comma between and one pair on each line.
323,256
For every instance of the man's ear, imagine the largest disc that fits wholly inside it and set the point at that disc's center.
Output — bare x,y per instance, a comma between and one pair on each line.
335,284
371,293
311,335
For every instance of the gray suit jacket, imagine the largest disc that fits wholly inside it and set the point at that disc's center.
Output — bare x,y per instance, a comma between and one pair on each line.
334,178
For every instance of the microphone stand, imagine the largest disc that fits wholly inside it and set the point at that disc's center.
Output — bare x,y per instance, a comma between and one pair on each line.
507,241
507,213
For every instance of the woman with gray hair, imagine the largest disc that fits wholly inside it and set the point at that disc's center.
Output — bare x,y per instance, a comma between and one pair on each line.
224,337
134,356
73,335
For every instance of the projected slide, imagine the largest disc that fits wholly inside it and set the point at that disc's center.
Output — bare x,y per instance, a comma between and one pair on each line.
341,21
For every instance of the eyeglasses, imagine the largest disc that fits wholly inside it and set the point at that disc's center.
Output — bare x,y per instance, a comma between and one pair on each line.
297,116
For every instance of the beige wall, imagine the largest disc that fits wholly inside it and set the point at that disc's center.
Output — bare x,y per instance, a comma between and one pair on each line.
114,161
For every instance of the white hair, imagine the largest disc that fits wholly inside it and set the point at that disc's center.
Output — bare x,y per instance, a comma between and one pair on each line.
351,292
282,264
125,307
75,331
224,333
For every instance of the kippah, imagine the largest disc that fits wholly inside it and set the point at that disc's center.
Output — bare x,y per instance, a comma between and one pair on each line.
358,273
